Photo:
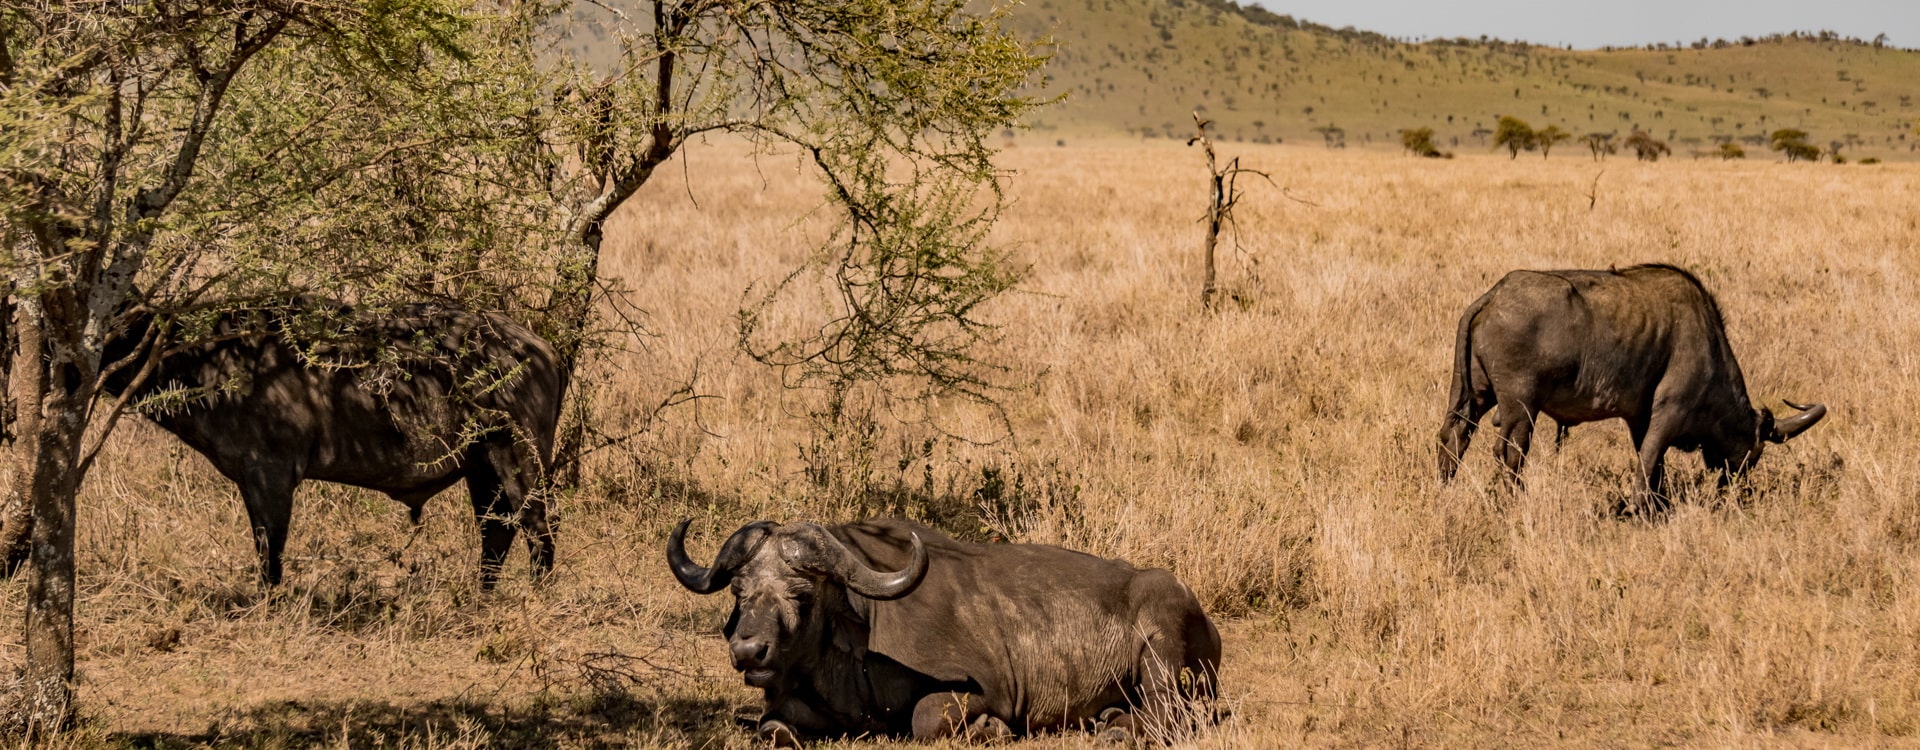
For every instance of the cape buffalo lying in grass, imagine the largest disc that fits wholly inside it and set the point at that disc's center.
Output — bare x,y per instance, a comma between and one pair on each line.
407,403
890,627
1643,344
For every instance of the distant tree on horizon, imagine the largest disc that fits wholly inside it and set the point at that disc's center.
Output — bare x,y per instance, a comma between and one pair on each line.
1646,147
1419,141
1793,143
1333,135
1548,137
1516,135
1601,144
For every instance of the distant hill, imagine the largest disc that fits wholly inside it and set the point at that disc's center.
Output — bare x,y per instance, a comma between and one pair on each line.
1142,66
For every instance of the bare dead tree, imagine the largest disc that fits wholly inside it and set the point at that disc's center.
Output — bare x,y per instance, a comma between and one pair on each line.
1225,195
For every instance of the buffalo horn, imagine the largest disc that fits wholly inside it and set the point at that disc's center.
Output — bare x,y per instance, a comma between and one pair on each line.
1798,423
733,554
874,584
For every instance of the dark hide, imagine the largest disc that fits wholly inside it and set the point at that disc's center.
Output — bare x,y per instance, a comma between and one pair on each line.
1644,344
407,403
992,641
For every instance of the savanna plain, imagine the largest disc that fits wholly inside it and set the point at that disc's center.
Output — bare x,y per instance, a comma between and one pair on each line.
1277,454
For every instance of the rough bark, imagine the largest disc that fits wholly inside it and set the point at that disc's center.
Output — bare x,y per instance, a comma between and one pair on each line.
1208,288
1216,210
53,419
25,388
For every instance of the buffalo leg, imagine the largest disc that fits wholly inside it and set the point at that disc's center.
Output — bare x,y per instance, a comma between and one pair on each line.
786,720
1178,662
493,512
1516,436
268,492
1651,442
521,474
1456,430
962,715
515,475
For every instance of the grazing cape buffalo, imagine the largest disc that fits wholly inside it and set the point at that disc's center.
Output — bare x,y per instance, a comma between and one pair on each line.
889,627
407,403
1644,344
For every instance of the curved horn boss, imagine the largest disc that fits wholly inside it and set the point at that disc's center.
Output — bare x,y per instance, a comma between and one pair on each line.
814,549
874,584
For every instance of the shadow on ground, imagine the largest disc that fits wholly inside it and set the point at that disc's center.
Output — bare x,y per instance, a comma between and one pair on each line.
604,720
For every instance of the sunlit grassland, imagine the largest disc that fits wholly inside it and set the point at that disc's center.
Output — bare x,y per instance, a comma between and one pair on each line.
1277,455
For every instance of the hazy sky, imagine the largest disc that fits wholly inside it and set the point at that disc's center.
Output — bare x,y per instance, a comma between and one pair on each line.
1593,23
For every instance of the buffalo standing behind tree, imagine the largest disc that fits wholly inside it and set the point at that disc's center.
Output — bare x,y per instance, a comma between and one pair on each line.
407,402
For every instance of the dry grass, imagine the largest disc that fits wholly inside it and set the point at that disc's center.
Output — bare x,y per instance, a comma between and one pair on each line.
1277,456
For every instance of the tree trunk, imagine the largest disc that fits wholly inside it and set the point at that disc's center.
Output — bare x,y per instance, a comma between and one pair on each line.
26,387
570,316
1214,217
53,419
50,579
571,444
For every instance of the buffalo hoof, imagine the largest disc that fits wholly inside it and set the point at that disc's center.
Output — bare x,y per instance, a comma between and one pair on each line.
1641,508
987,728
1114,727
776,733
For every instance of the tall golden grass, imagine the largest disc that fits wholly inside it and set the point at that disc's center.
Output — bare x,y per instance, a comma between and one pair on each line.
1278,455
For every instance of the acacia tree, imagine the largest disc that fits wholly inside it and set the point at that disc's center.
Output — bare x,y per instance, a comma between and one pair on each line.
1419,142
1601,144
1793,143
127,184
1646,147
1550,136
1516,135
890,101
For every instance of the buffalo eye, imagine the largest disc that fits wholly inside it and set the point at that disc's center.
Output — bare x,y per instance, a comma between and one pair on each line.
802,596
